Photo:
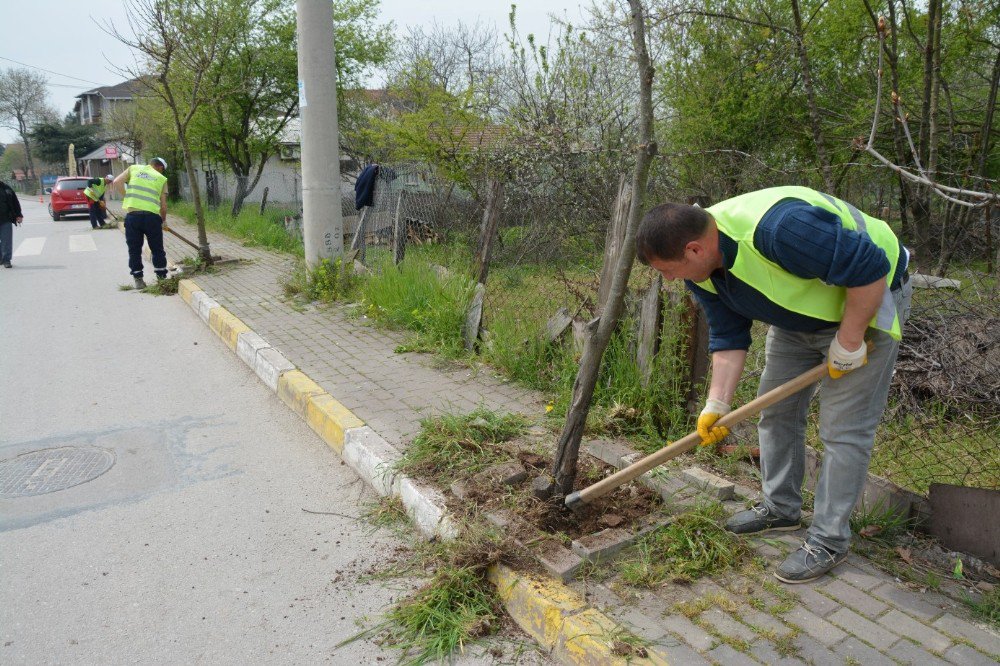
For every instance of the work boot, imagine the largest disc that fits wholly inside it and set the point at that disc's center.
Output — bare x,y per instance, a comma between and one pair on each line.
759,520
6,264
139,282
808,563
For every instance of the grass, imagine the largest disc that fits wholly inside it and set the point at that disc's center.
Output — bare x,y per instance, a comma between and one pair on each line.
328,282
693,545
254,229
453,445
880,523
986,607
164,287
418,297
386,513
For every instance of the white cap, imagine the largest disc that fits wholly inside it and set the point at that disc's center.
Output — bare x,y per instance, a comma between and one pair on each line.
111,176
160,160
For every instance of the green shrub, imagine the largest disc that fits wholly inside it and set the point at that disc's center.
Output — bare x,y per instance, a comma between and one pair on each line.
267,230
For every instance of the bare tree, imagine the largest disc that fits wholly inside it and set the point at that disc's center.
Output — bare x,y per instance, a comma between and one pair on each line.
179,40
23,103
564,467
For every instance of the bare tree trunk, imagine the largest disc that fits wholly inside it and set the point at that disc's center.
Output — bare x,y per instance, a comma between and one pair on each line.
814,117
240,195
920,197
568,451
199,211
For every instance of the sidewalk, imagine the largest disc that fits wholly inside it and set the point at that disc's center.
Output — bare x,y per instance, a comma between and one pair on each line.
860,615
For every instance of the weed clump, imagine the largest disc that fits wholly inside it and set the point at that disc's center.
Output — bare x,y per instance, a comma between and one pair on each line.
454,444
693,545
329,281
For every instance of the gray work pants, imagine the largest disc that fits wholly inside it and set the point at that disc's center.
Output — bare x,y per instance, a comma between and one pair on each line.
850,409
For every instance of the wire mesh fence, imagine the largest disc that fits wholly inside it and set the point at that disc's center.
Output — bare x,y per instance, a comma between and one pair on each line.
943,420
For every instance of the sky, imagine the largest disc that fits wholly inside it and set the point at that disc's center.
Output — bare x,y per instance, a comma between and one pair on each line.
66,37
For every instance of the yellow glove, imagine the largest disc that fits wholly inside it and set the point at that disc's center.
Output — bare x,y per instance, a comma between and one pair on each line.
839,361
711,433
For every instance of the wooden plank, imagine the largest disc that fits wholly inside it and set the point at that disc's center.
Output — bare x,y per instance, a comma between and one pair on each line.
474,317
614,240
358,242
488,229
960,517
648,336
557,325
399,231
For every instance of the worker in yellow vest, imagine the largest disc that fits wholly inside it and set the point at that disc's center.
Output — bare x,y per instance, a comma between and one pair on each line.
94,192
145,205
825,276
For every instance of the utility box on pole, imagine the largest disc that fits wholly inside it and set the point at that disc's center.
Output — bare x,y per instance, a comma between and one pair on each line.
322,222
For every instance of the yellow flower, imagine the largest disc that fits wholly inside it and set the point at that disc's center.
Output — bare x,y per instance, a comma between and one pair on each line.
549,407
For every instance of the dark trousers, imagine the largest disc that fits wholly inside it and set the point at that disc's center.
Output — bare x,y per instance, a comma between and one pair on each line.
96,214
140,225
6,241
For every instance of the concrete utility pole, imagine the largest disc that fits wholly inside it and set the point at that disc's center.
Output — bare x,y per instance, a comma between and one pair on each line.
322,222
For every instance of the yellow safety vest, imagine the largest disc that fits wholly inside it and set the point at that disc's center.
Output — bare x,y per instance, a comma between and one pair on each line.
95,192
738,218
145,185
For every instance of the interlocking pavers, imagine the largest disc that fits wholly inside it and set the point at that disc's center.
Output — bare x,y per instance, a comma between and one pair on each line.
725,654
905,625
906,652
855,598
963,655
860,653
863,628
987,642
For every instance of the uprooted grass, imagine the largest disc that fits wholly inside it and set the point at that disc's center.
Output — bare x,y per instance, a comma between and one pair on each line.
693,545
457,606
466,443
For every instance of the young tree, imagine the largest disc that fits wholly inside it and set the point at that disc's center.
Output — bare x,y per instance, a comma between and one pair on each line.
23,103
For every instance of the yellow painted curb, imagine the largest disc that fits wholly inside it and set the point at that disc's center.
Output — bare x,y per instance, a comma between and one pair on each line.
295,389
560,620
330,419
226,325
186,289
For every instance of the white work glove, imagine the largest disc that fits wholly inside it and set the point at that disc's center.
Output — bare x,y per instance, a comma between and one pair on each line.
839,361
711,433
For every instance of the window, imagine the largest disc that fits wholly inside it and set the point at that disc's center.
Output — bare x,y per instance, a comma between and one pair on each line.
72,184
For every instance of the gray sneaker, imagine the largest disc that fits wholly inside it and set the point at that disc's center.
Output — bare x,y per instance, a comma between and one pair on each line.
140,283
759,520
808,563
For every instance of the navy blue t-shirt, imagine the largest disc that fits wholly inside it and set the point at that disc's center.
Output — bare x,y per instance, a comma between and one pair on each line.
806,241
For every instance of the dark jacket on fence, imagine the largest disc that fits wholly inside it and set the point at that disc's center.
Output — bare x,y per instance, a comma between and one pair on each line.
364,188
10,207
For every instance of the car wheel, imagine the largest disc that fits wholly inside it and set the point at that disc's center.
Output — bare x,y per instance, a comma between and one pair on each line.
55,216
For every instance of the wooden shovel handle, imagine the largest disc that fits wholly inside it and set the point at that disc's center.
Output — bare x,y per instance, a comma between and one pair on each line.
688,442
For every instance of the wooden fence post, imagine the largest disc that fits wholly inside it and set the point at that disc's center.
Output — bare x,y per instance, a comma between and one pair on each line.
648,334
399,231
263,200
358,242
488,229
614,240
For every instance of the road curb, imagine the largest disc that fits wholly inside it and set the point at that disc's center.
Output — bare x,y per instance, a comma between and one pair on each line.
555,616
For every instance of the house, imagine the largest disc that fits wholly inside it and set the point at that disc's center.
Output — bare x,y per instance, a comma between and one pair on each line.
96,106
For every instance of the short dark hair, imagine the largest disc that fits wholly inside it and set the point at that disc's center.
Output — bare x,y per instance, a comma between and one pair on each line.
665,231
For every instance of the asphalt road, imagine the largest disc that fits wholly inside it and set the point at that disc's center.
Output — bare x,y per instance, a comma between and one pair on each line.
193,547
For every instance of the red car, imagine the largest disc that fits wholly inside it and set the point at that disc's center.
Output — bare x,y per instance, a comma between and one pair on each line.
67,197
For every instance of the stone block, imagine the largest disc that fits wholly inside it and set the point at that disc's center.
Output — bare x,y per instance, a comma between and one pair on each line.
859,653
985,642
610,453
906,652
708,483
963,655
691,633
855,598
916,631
815,626
372,458
908,602
726,654
603,545
247,346
863,628
270,365
559,562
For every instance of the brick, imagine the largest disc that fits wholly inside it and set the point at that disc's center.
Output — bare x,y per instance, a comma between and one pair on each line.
708,483
766,653
855,598
908,602
691,633
763,621
609,452
815,626
725,654
863,628
813,600
559,562
963,655
949,624
640,623
678,653
906,626
726,625
906,652
860,579
854,649
603,545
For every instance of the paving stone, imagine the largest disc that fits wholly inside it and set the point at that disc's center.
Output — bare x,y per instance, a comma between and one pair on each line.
559,562
906,652
725,654
765,652
708,483
986,642
854,649
815,653
726,625
863,628
963,655
644,626
855,598
603,545
813,600
815,626
909,602
691,633
906,626
859,578
763,621
680,654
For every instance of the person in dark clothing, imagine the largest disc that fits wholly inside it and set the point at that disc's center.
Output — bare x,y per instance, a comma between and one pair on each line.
10,215
95,200
826,277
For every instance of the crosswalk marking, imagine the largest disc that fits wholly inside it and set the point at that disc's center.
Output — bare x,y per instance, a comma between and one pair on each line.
83,243
30,247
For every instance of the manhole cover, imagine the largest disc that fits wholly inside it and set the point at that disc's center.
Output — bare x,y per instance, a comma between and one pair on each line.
49,470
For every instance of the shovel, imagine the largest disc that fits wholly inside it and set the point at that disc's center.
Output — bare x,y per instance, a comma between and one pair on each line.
604,486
